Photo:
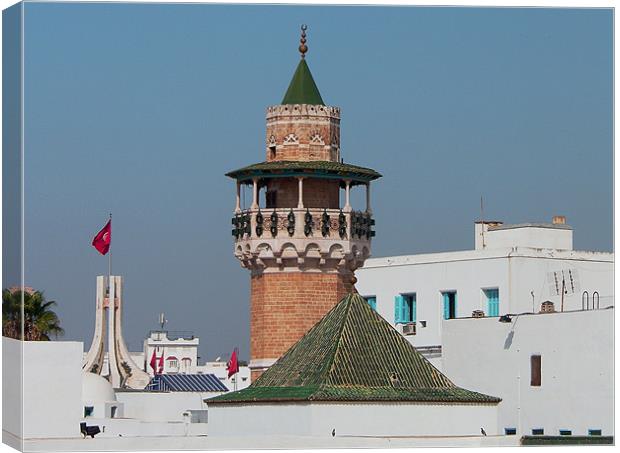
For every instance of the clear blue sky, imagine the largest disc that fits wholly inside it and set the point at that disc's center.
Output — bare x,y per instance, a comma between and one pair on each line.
141,109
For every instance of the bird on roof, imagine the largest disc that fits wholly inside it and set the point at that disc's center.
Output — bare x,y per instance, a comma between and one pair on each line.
484,433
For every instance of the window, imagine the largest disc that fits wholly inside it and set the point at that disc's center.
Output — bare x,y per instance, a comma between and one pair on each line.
535,365
187,363
566,432
538,432
405,308
510,431
173,362
449,304
372,301
88,411
492,296
113,412
595,432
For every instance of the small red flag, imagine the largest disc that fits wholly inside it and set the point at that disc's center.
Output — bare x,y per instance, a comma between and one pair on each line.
161,363
153,362
102,240
233,365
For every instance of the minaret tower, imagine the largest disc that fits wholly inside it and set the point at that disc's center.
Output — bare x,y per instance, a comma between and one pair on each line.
300,243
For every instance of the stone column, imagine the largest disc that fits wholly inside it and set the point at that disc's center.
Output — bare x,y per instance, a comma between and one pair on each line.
300,202
368,210
255,193
238,204
347,197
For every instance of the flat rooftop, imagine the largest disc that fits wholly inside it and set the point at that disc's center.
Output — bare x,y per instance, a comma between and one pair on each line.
555,226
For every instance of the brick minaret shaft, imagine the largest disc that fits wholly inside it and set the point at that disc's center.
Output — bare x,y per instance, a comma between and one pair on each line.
300,245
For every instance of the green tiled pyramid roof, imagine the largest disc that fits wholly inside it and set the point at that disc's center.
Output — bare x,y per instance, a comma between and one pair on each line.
353,354
314,168
302,89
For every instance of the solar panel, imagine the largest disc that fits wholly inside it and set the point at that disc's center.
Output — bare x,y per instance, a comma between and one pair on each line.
187,383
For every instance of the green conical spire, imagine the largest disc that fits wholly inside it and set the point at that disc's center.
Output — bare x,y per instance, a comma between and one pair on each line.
302,89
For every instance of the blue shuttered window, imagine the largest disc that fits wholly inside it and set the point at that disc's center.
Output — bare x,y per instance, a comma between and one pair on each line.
492,301
405,308
449,304
406,312
399,301
372,301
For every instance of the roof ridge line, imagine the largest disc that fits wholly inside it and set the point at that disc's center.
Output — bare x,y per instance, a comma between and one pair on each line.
341,330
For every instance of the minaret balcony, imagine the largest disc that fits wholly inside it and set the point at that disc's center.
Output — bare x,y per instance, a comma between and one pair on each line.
303,238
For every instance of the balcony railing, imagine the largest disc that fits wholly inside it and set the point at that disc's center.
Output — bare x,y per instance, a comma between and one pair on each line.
171,335
299,223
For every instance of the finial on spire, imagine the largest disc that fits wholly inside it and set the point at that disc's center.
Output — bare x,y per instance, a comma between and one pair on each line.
302,47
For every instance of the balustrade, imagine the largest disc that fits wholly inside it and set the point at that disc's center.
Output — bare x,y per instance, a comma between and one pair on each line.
300,223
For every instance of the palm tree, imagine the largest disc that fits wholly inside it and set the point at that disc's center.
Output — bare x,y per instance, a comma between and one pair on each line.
39,320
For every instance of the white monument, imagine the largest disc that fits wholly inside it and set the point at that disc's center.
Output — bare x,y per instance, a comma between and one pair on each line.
123,371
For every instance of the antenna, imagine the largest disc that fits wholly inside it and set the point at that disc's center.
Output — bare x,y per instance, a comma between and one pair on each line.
482,219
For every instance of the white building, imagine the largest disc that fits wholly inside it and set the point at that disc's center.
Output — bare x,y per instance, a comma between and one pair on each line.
41,389
553,371
179,351
99,398
47,396
512,269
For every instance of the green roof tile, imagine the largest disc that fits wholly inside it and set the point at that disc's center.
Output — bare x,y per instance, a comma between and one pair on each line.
316,168
302,89
353,354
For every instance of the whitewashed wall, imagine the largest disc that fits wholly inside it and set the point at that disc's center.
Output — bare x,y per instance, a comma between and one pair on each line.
487,356
51,394
162,406
528,236
515,272
12,363
351,419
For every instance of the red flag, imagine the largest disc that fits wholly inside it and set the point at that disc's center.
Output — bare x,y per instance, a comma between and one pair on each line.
233,365
161,363
102,240
153,362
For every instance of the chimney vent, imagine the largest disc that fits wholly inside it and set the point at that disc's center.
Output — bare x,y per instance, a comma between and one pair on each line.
547,307
559,220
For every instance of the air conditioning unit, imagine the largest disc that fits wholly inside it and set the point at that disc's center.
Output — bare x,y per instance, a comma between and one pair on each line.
409,328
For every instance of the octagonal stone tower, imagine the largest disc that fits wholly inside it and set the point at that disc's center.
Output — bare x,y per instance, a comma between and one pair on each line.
300,245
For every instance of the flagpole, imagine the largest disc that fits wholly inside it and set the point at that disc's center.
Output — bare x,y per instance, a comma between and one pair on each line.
110,256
